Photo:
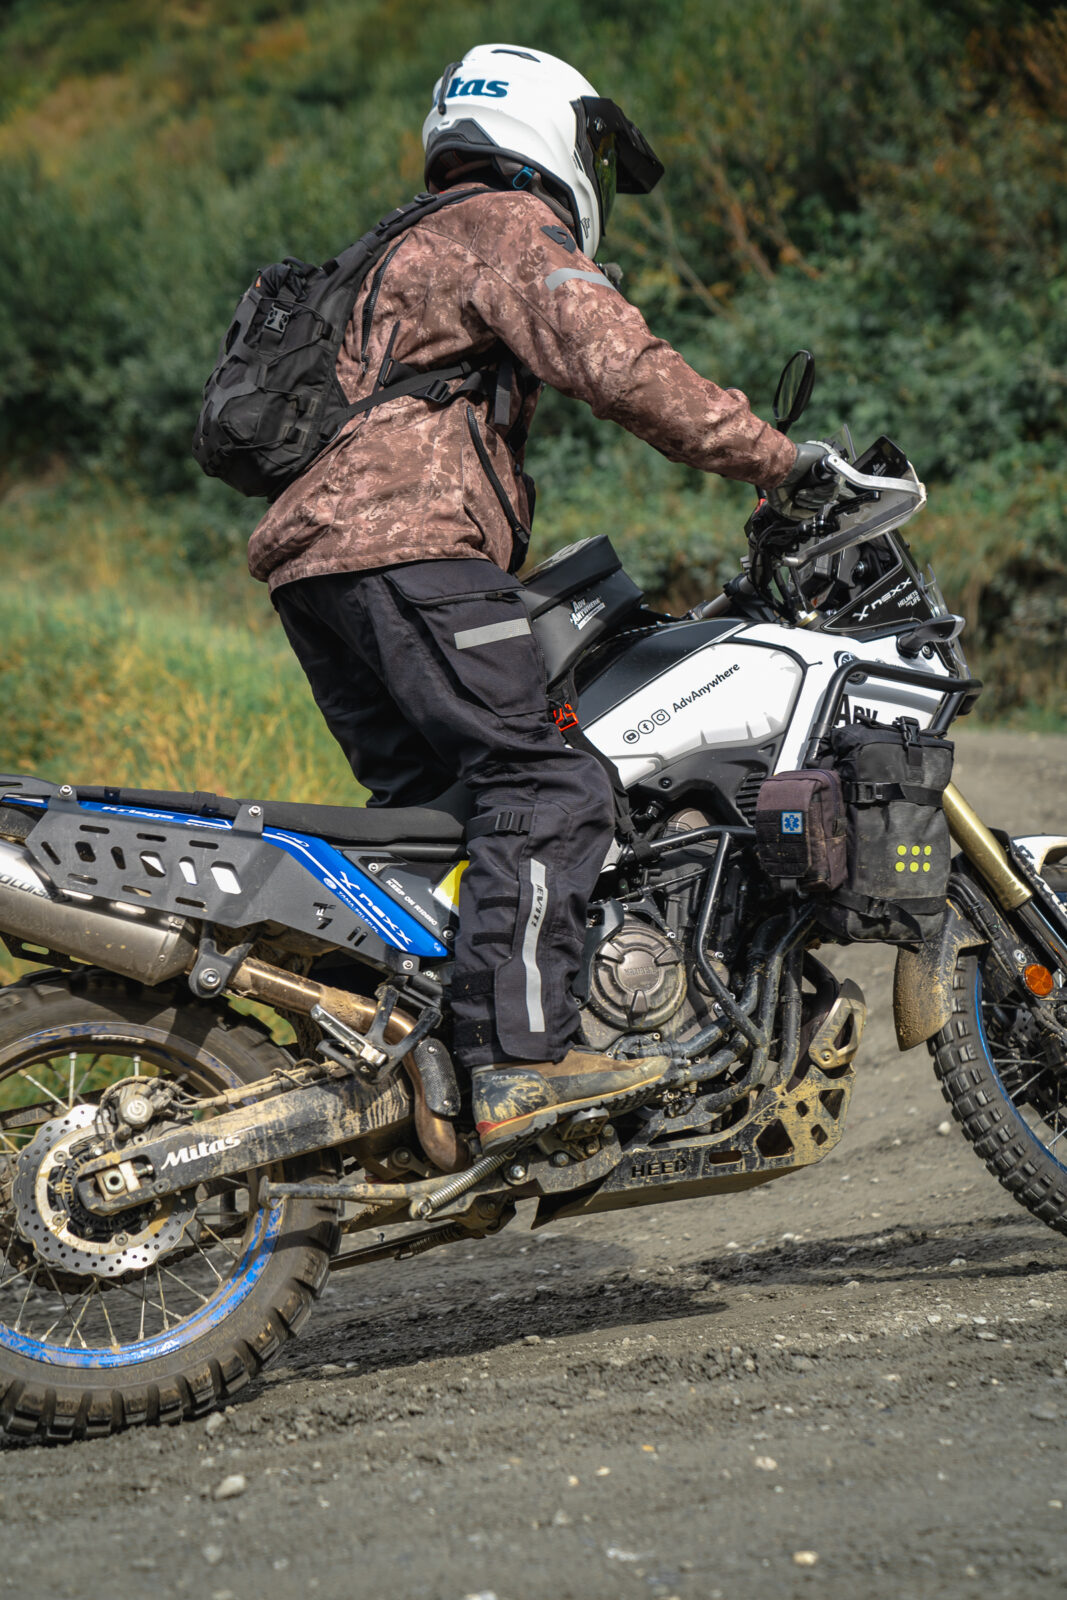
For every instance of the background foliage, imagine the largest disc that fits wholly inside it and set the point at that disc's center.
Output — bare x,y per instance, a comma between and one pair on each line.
886,188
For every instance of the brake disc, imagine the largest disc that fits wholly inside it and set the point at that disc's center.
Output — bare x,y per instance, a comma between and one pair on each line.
52,1219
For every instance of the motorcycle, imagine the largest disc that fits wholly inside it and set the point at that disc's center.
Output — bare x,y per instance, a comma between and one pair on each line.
175,1182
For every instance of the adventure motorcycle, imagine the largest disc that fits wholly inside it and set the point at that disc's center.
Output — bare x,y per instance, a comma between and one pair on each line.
174,1183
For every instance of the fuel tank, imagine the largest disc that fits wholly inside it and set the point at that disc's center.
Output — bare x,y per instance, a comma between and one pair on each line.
686,688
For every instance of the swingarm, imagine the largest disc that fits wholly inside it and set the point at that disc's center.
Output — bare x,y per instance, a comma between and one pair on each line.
317,1116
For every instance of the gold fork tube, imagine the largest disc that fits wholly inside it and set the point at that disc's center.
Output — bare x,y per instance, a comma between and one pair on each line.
984,851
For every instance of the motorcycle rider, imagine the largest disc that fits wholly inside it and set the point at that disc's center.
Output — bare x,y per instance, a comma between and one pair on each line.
391,559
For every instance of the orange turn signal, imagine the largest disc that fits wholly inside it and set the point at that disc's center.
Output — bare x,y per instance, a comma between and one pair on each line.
1039,981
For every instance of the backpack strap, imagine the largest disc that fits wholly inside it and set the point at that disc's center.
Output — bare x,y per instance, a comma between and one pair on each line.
396,379
370,246
432,385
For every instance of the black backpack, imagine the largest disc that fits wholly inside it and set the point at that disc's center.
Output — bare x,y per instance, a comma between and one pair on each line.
273,402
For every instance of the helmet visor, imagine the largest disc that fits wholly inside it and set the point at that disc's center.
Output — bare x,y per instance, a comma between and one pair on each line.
601,161
609,142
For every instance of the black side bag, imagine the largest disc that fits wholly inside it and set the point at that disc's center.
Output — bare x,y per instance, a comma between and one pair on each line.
898,840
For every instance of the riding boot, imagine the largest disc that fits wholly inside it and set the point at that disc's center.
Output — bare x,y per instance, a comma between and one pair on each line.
515,1100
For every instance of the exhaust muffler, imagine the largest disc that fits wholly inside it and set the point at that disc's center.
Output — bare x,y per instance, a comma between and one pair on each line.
148,945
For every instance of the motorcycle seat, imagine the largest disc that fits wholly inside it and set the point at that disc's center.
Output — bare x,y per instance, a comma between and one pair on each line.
441,822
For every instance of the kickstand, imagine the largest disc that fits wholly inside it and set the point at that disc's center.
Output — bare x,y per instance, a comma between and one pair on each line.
370,1048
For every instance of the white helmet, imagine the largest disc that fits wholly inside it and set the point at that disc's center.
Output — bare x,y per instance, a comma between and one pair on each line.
536,118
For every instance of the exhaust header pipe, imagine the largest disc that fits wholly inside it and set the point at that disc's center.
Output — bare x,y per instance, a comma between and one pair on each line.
147,945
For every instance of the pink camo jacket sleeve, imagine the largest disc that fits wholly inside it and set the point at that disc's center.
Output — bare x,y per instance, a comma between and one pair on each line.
556,310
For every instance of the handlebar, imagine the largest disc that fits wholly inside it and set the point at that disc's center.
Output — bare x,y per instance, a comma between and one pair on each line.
891,493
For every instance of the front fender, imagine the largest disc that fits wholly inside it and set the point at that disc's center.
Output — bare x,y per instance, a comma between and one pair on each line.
922,984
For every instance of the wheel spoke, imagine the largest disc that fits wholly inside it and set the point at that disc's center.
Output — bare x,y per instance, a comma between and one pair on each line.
162,1300
220,1242
143,1300
1039,1073
203,1298
26,1296
66,1307
107,1319
1016,1050
5,1283
75,1328
87,1074
208,1262
48,1092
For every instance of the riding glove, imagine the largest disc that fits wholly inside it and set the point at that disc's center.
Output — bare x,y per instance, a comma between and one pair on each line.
808,484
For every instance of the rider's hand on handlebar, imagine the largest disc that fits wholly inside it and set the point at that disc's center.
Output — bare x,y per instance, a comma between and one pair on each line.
808,484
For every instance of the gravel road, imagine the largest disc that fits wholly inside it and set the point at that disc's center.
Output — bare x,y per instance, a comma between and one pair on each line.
849,1383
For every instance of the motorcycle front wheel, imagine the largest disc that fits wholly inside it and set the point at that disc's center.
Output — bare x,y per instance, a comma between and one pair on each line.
157,1314
1006,1081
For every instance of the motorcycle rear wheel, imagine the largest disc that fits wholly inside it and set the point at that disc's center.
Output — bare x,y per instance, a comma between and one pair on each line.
1006,1082
229,1279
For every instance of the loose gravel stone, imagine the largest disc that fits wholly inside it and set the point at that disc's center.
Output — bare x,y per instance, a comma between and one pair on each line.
232,1486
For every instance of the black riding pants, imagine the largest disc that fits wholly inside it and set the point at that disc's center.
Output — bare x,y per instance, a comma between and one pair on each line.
428,674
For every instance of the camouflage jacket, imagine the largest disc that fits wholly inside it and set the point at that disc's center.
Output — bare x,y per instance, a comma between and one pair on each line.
412,481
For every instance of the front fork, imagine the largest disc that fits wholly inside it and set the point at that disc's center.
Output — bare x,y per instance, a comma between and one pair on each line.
1018,917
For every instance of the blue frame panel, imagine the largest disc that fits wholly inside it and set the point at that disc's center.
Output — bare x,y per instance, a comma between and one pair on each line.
326,865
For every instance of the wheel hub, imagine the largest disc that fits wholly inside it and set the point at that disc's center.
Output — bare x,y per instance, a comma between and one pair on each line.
51,1218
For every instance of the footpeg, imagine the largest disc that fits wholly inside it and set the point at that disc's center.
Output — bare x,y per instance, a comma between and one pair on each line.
371,1049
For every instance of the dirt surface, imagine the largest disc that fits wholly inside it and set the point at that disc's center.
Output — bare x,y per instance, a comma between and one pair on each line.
852,1382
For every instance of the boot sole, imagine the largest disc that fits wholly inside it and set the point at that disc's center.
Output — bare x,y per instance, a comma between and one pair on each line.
507,1134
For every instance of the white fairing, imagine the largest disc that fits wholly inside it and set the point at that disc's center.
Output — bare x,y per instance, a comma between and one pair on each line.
824,653
727,693
761,681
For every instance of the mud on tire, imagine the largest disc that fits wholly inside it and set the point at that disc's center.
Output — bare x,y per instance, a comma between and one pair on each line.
57,1396
980,1078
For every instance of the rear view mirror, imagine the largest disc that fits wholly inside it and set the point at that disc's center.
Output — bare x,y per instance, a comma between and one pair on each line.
794,389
